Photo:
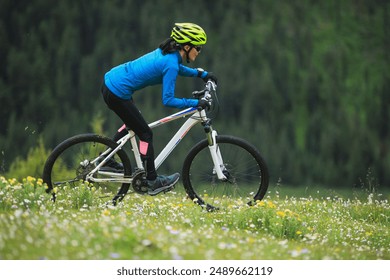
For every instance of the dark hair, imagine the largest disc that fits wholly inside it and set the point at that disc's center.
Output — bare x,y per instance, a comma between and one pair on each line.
169,46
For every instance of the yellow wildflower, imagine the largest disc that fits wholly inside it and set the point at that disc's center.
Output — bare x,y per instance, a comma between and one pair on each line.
251,240
270,204
260,203
281,214
31,179
12,181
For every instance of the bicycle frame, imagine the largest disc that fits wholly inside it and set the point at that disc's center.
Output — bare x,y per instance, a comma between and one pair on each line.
196,117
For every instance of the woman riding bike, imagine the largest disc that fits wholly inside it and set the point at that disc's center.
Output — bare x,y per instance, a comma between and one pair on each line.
161,66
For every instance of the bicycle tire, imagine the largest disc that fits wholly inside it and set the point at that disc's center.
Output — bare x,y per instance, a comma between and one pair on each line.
64,164
247,174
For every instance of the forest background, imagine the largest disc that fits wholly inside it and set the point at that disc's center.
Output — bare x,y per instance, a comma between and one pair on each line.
307,82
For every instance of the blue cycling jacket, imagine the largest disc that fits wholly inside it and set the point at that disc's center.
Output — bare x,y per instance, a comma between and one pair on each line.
151,69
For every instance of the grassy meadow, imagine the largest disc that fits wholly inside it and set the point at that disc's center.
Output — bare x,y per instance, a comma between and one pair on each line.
285,225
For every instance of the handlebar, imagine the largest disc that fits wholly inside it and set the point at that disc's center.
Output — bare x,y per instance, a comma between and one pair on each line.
210,87
206,93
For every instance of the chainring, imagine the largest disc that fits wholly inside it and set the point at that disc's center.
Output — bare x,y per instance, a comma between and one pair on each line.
139,183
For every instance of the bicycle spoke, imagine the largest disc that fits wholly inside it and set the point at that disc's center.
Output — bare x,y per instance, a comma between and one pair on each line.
74,161
246,175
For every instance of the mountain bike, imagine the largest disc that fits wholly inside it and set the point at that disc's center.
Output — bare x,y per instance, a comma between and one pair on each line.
219,171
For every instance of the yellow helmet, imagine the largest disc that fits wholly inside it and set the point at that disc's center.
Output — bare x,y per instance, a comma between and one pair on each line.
190,33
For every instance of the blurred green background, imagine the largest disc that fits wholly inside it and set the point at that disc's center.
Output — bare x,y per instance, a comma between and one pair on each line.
307,82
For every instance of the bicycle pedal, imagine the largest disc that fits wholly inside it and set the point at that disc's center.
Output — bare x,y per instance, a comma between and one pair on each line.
168,190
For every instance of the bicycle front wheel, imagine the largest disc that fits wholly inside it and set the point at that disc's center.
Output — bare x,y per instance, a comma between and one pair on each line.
245,170
72,160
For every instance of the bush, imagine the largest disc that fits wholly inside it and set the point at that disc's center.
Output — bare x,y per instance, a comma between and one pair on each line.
32,165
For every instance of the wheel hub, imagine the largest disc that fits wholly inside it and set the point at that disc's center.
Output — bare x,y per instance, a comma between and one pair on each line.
84,168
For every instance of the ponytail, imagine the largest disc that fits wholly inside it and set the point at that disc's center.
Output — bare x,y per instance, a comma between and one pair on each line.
169,46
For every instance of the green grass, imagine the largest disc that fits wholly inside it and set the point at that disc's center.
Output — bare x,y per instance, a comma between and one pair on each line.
169,226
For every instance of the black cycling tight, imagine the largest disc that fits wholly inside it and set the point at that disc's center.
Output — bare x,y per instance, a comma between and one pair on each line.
133,120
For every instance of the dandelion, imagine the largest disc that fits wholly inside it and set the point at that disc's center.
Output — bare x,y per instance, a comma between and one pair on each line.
281,214
3,180
260,203
270,204
31,179
251,240
12,181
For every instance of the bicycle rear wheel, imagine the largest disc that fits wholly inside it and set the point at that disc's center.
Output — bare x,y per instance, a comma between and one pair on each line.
71,161
246,172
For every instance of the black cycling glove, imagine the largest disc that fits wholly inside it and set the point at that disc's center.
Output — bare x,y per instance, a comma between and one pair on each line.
210,76
204,104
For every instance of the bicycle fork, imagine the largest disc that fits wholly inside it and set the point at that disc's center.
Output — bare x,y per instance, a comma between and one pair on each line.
219,166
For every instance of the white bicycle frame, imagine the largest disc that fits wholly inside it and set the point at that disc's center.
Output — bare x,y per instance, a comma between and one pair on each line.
196,117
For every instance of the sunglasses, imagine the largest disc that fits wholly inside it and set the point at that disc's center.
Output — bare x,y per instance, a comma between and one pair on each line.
198,48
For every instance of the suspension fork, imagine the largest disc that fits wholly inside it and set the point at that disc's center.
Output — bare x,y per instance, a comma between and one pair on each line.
215,152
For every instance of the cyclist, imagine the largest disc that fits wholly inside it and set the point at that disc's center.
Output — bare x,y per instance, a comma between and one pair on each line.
161,66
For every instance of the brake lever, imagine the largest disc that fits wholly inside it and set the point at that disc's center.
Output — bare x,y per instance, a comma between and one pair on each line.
211,85
198,94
